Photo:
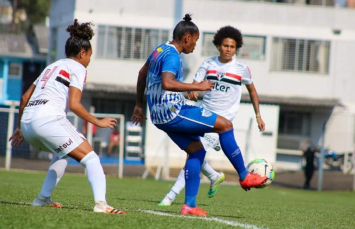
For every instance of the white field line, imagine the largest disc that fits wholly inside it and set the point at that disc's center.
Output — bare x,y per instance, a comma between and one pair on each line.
232,223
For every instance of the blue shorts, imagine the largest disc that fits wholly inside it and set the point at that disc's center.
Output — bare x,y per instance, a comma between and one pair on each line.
191,123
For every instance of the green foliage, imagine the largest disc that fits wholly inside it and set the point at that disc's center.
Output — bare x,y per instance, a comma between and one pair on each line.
36,10
266,208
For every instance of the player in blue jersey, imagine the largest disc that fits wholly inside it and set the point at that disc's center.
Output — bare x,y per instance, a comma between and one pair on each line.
161,78
229,75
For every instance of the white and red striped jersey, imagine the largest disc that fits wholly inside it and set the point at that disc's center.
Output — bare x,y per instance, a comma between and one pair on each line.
224,98
52,89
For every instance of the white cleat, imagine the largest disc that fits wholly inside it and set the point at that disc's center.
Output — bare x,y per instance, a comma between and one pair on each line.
215,184
166,202
103,207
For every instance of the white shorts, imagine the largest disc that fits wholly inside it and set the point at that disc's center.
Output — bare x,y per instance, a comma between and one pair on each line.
53,134
210,140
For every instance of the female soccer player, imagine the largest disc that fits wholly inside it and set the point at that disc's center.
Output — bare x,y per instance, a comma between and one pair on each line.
44,123
161,77
228,74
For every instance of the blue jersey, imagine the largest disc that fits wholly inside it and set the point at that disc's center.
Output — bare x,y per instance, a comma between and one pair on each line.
164,105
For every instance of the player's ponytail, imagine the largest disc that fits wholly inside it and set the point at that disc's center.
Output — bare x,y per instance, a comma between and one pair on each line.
80,36
185,26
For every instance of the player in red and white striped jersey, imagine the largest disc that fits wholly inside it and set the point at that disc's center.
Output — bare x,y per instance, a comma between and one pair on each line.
43,119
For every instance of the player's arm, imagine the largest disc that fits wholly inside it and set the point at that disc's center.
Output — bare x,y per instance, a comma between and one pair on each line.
138,114
17,137
170,68
255,101
193,95
169,83
77,108
77,81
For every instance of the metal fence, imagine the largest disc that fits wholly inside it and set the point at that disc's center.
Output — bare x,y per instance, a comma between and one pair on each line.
26,156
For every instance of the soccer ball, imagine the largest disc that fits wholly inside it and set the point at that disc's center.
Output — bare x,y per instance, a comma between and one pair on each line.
263,168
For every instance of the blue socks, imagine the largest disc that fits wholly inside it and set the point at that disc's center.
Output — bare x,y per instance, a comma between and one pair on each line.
232,151
192,176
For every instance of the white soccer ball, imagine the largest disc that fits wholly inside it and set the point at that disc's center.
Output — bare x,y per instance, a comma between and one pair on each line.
263,168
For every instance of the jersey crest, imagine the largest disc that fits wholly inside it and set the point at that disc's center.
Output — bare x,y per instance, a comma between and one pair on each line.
220,75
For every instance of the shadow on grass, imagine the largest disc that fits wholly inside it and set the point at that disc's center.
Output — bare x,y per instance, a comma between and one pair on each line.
153,201
66,206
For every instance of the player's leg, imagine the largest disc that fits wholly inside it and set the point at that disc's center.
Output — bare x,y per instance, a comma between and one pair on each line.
55,172
72,143
216,178
95,174
209,141
190,120
109,150
191,145
192,178
56,168
231,149
175,190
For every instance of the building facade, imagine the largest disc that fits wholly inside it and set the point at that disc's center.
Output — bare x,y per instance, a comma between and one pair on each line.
301,59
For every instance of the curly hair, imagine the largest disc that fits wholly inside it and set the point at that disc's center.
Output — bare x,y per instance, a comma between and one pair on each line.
80,36
228,32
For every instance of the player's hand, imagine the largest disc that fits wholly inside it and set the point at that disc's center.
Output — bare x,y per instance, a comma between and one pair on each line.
261,123
192,95
138,116
107,122
206,85
16,139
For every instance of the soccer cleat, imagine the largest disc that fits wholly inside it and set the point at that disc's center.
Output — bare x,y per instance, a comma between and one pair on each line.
215,184
186,210
166,202
103,207
252,180
42,201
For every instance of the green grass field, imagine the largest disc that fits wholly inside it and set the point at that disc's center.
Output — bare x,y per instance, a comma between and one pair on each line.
230,208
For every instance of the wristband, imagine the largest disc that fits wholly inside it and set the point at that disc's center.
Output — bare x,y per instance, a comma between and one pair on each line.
258,115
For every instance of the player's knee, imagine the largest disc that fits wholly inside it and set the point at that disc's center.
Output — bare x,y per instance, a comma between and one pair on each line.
222,124
88,157
226,125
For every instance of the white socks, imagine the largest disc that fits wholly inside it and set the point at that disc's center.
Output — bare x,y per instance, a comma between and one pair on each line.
178,186
208,171
55,172
96,176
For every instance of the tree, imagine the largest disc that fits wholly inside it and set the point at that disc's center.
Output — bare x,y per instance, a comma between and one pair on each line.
36,11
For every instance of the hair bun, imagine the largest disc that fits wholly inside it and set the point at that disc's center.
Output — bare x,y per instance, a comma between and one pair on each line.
187,18
82,30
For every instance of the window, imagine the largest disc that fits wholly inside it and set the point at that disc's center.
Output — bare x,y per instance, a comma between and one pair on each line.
300,55
128,43
294,123
253,47
15,71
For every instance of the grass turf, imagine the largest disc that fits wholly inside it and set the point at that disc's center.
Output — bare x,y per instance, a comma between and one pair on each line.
266,208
